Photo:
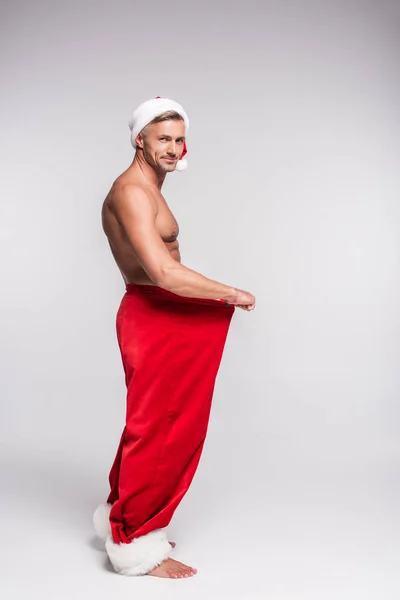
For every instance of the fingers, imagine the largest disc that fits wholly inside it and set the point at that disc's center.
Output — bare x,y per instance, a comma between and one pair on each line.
247,307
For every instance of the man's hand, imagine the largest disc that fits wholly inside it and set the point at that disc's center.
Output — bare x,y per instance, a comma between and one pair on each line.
244,300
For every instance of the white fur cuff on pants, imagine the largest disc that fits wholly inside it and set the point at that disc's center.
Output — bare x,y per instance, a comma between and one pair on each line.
141,555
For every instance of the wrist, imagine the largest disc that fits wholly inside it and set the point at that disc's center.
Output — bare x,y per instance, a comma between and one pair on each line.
231,295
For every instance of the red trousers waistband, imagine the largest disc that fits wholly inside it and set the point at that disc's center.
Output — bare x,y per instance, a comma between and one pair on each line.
138,288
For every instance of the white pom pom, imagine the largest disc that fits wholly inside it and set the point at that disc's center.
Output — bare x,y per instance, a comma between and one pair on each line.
181,165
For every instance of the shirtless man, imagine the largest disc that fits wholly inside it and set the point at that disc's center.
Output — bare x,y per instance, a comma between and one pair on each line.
143,237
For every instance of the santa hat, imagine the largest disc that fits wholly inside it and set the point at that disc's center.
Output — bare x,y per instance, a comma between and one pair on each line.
150,109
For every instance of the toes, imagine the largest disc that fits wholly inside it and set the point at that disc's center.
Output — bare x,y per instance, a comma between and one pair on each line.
180,571
176,572
187,570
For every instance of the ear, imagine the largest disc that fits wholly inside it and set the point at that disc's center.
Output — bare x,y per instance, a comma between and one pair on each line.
139,140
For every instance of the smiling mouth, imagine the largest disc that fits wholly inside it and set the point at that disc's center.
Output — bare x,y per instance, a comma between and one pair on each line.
170,159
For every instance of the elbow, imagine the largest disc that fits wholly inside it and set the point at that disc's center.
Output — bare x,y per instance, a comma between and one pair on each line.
163,277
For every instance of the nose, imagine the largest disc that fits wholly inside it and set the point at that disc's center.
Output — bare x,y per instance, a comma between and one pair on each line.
171,148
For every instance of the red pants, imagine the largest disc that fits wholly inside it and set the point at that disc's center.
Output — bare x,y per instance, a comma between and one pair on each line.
171,348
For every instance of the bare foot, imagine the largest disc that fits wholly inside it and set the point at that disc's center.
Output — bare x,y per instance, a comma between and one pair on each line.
173,569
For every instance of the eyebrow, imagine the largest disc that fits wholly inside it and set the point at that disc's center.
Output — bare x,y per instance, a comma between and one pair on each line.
180,137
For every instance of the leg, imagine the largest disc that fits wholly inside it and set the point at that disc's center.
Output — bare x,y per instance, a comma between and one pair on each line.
171,354
114,473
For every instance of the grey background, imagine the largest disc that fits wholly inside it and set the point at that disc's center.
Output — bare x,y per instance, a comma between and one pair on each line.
292,192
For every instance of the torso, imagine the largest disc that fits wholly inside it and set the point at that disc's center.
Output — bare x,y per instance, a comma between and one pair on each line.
167,226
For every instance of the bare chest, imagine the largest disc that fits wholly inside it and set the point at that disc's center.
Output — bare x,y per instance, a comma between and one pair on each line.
166,223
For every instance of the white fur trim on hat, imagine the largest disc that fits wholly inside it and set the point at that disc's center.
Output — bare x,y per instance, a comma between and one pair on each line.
150,109
101,521
141,555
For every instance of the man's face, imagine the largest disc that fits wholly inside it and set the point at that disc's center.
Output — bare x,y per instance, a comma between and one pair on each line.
163,144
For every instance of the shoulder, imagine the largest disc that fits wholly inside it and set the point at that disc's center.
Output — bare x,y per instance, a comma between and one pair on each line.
132,195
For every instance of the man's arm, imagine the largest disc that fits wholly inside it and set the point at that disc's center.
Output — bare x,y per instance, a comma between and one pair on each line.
137,212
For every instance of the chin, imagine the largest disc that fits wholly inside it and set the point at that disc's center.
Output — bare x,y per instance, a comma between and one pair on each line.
168,168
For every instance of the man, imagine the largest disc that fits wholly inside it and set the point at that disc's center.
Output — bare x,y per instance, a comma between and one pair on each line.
171,326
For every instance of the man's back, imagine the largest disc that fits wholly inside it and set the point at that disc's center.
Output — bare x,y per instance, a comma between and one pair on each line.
115,229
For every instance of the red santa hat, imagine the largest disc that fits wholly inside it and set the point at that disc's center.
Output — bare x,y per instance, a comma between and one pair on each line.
150,109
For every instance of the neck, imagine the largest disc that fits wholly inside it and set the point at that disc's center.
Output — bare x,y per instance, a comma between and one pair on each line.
146,172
